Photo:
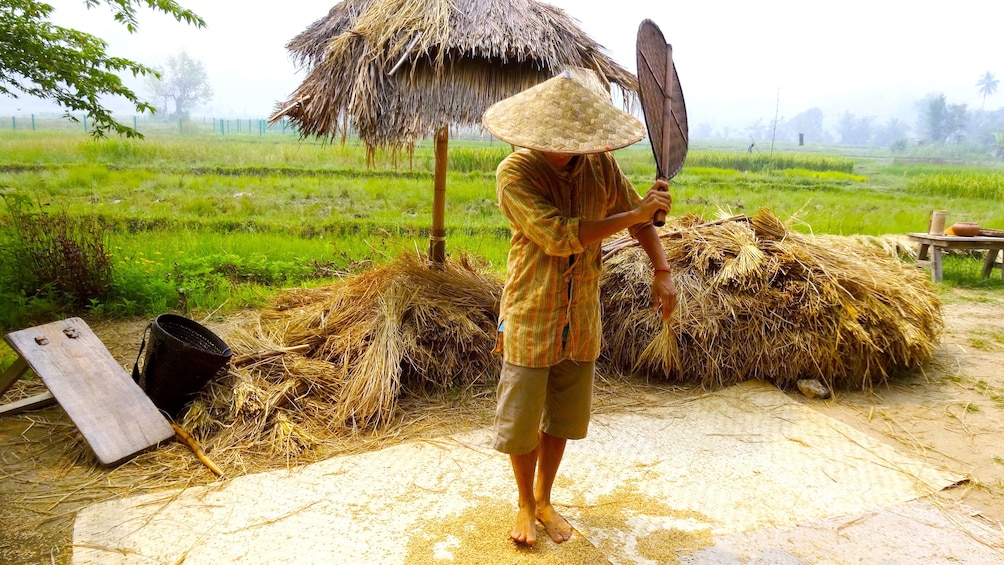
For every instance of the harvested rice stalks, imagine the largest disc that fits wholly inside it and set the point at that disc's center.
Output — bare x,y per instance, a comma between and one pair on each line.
757,300
323,362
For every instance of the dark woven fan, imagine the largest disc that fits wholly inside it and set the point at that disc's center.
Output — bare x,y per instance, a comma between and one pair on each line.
661,102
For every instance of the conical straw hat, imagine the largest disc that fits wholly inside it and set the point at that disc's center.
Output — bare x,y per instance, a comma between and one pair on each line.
562,115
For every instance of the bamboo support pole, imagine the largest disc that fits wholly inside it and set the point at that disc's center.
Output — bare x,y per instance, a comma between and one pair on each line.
437,237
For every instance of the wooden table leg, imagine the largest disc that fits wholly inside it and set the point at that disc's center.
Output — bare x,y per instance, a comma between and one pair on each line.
936,264
988,265
922,252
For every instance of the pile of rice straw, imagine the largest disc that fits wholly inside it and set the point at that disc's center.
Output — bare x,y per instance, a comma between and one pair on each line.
319,362
758,301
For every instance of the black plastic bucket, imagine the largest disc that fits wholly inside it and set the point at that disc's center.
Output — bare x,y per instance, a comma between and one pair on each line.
181,358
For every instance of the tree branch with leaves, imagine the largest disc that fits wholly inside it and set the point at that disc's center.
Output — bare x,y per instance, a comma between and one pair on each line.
70,67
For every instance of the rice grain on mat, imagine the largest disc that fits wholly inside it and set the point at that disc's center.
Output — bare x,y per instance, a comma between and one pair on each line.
480,534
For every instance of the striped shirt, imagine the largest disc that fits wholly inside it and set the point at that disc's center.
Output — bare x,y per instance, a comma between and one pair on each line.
550,303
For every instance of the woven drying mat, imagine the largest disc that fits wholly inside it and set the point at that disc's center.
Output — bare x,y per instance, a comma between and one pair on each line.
648,484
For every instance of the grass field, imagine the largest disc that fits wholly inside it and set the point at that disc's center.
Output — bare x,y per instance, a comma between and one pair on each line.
200,223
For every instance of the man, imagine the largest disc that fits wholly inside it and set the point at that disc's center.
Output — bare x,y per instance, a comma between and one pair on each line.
563,194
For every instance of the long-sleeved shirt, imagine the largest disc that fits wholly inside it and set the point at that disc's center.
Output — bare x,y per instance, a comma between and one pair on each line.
550,303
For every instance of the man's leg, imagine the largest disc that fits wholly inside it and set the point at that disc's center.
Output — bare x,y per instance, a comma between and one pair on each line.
523,466
551,449
566,415
521,393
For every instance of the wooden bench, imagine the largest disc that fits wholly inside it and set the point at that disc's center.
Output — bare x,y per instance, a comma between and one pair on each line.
115,416
938,244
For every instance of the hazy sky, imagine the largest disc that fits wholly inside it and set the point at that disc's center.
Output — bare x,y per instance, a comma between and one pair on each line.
738,61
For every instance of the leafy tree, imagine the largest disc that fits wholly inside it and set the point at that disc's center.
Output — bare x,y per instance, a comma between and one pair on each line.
893,132
982,126
945,122
185,82
854,130
987,86
809,122
758,130
936,117
70,67
958,118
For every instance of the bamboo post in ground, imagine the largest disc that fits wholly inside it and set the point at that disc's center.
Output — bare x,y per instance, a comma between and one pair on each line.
437,237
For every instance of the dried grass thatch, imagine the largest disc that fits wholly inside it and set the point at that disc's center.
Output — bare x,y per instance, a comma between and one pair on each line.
399,70
323,361
758,301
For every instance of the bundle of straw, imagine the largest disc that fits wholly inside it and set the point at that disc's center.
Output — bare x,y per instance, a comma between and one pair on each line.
322,361
758,301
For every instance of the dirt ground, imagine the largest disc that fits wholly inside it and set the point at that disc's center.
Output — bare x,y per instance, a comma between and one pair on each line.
951,415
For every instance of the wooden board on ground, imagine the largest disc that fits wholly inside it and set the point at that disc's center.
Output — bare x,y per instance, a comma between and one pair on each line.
115,416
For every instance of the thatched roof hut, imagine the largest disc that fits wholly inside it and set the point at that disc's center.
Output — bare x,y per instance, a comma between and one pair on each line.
398,71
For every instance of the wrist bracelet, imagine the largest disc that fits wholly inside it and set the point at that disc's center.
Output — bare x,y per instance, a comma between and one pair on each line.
662,271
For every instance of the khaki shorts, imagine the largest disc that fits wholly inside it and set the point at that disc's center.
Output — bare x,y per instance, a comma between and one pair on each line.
554,399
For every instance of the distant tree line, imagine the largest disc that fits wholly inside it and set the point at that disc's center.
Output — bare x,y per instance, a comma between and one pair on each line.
938,122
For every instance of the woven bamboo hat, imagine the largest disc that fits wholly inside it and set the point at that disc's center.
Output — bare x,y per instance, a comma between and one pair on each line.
564,114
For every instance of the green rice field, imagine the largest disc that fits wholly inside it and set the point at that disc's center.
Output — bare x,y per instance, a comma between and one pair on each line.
211,223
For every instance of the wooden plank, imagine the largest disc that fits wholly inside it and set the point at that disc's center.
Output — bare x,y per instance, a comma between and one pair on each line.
987,232
115,416
31,403
958,242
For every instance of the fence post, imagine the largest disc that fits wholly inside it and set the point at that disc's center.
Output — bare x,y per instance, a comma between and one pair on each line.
85,123
179,126
13,123
33,122
134,126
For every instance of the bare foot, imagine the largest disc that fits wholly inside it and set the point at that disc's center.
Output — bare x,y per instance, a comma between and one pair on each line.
525,528
557,527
